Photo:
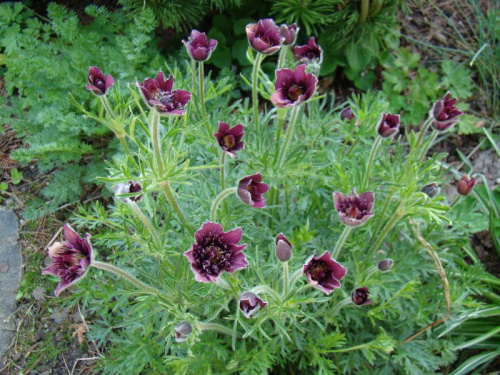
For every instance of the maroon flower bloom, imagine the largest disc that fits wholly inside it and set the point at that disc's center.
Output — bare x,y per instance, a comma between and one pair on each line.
130,187
324,273
283,248
360,296
158,94
98,84
347,114
264,36
309,53
289,34
445,113
250,303
431,190
354,209
199,47
293,87
388,125
465,185
72,259
230,138
250,190
215,251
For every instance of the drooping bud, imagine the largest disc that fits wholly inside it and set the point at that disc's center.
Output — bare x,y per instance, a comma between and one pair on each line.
385,264
445,113
347,114
182,331
431,190
465,185
283,248
388,125
250,303
360,296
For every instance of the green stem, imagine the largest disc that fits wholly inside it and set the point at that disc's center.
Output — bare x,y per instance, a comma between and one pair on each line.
381,215
201,90
424,151
222,167
289,135
145,221
426,125
286,273
456,200
155,137
255,98
193,74
397,215
339,306
373,152
365,6
223,194
215,327
172,201
340,242
282,57
107,107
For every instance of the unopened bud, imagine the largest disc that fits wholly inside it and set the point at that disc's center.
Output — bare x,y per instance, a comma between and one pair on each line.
182,331
347,114
431,190
465,185
360,296
127,188
385,264
283,248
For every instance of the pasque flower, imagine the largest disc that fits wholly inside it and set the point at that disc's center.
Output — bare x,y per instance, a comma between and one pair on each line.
158,93
289,34
309,53
388,125
445,113
215,251
127,188
354,209
182,331
360,296
465,185
98,84
293,87
71,259
230,138
347,114
264,36
250,303
250,190
199,47
324,273
385,264
283,248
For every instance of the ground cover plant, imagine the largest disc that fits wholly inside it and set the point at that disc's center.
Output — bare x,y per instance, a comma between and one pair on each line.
288,237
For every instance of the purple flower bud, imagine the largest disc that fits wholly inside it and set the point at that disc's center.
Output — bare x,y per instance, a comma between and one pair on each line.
289,34
465,185
347,114
445,113
230,138
309,53
182,331
264,36
431,190
354,209
127,188
385,264
293,87
360,296
283,248
388,125
250,303
324,273
250,190
198,47
98,84
158,94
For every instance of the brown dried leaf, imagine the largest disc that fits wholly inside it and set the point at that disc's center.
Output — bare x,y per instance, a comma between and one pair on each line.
79,332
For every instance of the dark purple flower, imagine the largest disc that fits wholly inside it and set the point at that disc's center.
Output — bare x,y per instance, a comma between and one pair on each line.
445,113
250,190
324,273
385,264
215,251
71,259
289,34
309,53
354,209
293,87
250,303
264,36
283,248
465,185
127,188
360,296
158,94
182,331
431,190
347,114
98,84
199,47
230,138
388,125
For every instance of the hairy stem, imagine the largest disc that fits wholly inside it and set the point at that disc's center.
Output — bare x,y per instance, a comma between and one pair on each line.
173,203
145,221
289,135
155,138
340,242
201,90
215,327
371,159
215,205
255,97
388,227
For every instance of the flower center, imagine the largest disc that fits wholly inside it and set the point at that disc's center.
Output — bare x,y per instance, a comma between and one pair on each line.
229,141
99,84
294,92
212,257
318,270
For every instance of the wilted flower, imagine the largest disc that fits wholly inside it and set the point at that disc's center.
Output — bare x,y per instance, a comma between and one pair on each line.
360,296
347,114
182,331
250,303
354,209
71,259
324,273
293,87
445,113
98,84
289,34
431,190
158,94
127,188
283,248
250,190
388,125
264,36
385,264
309,53
215,251
199,47
465,185
230,138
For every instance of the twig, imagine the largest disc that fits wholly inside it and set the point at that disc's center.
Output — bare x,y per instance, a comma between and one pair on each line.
54,238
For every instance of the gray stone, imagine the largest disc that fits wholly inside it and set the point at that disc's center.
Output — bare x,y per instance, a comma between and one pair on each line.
10,277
